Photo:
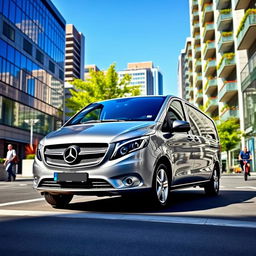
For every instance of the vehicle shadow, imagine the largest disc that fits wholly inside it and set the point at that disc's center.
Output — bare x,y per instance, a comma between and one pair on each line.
181,202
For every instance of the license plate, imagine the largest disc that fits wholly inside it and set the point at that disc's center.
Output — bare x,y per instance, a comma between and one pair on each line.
77,177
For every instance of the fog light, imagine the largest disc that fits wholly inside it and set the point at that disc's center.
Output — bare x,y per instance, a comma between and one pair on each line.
131,181
35,181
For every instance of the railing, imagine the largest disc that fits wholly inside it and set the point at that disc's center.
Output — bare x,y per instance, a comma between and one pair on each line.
226,114
248,74
209,45
228,86
248,20
209,83
224,16
224,38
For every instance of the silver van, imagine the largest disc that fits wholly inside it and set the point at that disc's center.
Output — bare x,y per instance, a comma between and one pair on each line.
149,145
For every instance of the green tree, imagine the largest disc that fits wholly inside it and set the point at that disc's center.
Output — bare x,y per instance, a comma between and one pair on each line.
230,135
100,86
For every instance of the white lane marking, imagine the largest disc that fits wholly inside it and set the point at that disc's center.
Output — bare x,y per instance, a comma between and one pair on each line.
246,187
133,217
22,202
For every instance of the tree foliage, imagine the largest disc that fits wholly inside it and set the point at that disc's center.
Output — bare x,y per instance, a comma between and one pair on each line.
100,86
229,133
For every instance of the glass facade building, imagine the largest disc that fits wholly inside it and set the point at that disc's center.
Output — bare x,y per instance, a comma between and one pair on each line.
32,54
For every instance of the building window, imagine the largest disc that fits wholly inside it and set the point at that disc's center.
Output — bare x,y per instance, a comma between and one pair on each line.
39,56
61,74
51,66
27,46
8,31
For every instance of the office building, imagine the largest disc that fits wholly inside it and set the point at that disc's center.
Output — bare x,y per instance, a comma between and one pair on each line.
223,41
32,49
144,74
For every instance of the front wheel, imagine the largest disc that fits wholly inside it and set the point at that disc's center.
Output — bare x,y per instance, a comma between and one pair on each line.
245,173
213,186
160,188
58,201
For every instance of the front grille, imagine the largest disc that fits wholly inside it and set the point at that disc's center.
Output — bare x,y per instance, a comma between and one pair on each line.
89,154
90,184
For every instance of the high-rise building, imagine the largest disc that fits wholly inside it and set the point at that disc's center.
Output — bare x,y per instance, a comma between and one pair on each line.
87,69
74,58
223,44
144,74
32,49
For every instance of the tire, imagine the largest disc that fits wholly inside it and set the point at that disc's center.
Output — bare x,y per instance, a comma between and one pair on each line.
161,186
245,174
58,201
213,186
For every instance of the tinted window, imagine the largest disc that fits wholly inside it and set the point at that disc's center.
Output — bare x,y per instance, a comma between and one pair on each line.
40,56
193,120
8,31
27,46
175,111
51,66
126,109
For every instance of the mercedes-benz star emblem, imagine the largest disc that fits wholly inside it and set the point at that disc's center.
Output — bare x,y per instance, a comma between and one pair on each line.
70,154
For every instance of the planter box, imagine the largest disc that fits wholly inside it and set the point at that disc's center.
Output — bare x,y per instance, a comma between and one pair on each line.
27,167
3,173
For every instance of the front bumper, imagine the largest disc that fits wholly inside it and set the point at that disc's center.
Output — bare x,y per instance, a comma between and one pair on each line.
105,179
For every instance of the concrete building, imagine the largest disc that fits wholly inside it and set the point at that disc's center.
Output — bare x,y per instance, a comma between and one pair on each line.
31,71
144,74
74,57
218,56
87,69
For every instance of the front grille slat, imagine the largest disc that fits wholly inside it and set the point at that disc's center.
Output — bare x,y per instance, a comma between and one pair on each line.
92,183
89,154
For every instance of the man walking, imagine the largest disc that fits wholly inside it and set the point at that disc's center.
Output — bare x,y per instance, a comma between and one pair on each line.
9,162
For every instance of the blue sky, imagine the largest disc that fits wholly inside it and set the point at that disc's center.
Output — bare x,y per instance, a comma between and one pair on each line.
131,31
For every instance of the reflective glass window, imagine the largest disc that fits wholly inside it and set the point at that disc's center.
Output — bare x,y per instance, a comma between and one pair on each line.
6,8
3,48
8,31
10,54
12,11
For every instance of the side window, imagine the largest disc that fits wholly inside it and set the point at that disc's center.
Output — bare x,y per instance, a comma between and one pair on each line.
92,115
209,128
175,111
193,120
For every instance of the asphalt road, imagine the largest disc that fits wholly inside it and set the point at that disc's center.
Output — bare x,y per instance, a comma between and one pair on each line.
193,224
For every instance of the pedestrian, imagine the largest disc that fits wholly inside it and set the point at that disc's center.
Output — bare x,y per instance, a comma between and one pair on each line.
10,163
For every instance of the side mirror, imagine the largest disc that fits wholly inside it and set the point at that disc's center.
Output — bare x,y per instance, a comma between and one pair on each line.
180,126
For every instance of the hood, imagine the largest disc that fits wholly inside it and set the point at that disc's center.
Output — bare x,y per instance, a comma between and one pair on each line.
99,132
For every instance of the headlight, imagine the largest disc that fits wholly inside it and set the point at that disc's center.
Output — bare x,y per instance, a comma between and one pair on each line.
38,151
125,147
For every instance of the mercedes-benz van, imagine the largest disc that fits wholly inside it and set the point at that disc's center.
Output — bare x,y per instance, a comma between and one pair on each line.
149,144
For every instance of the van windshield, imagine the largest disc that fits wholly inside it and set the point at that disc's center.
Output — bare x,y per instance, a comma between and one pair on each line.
126,109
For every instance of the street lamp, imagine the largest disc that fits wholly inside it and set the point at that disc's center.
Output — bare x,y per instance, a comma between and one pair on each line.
31,122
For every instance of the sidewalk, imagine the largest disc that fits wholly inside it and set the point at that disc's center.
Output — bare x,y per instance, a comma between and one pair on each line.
237,174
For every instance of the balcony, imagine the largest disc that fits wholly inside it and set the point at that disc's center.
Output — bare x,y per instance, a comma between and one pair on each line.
227,65
198,80
228,91
204,2
194,4
198,65
210,67
208,33
228,113
207,13
226,42
224,21
211,86
199,97
211,104
190,61
241,4
222,4
247,30
190,77
209,50
197,38
196,28
191,91
195,17
197,51
248,74
189,49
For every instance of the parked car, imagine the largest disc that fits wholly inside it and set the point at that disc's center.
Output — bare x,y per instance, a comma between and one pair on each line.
148,145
